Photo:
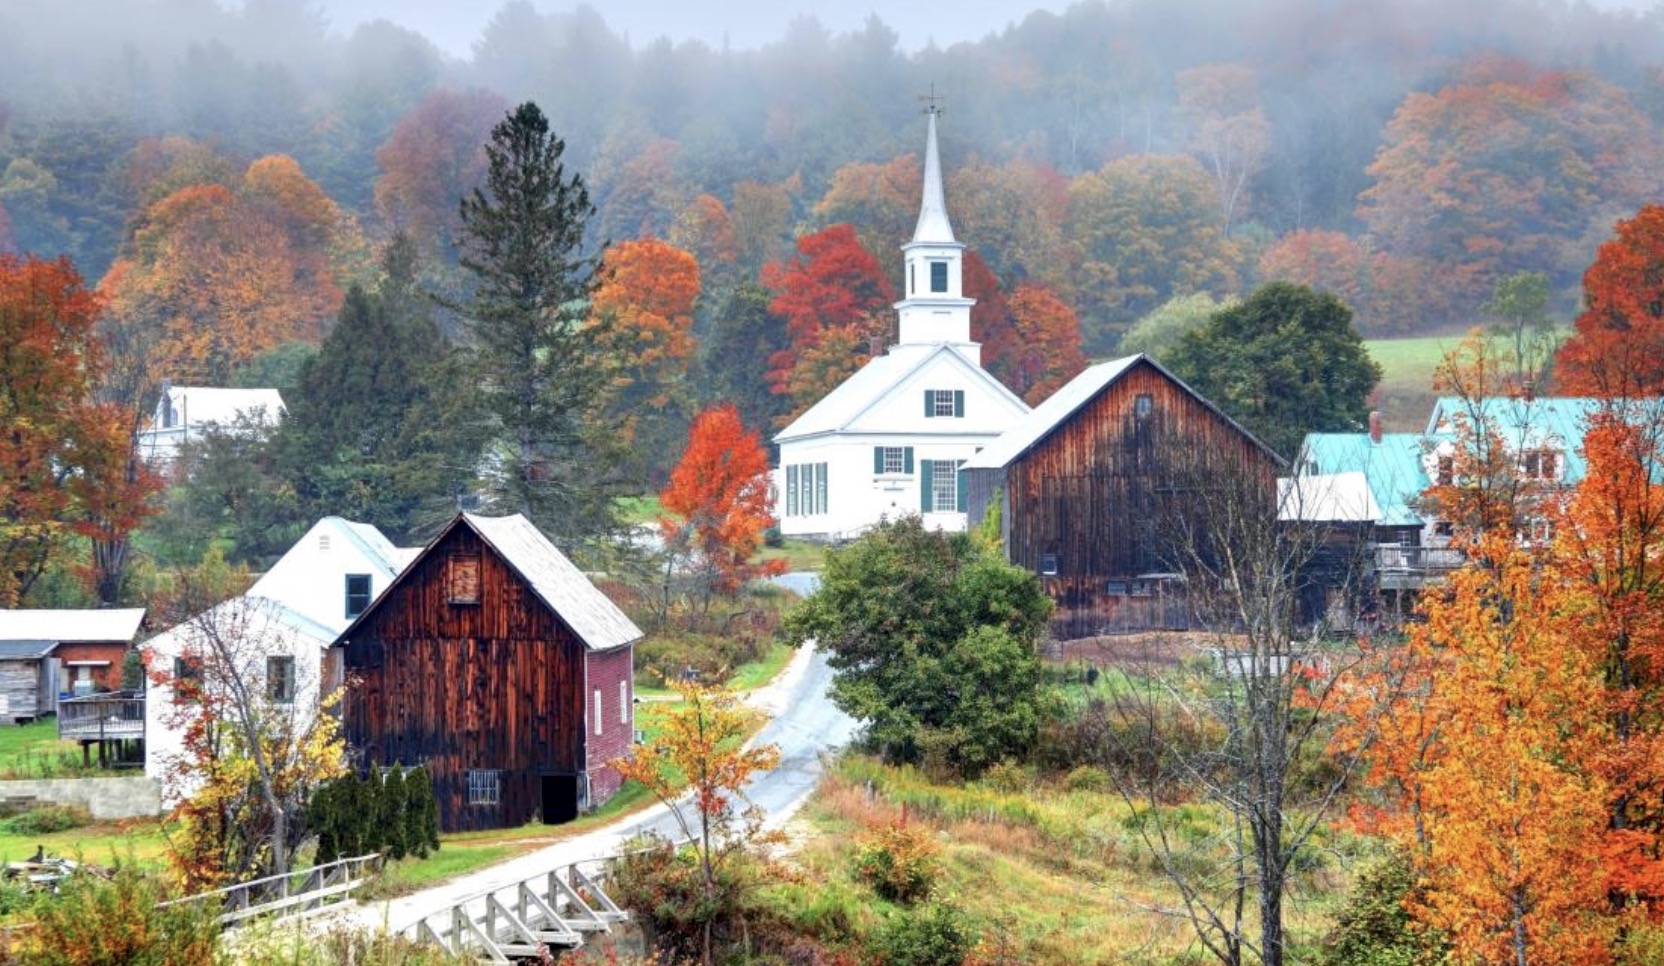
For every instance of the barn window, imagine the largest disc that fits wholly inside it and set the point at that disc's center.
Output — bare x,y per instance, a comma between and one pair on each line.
462,578
485,786
1048,564
1142,404
280,680
938,276
598,719
358,594
1116,588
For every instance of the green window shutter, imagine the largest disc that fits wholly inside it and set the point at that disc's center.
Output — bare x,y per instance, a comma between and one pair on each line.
907,459
963,483
878,459
925,481
929,404
959,402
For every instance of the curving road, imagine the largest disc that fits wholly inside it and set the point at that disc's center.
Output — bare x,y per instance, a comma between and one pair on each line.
805,725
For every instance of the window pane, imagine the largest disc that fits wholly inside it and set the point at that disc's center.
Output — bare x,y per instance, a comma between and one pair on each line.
944,488
280,679
895,459
358,594
942,400
938,276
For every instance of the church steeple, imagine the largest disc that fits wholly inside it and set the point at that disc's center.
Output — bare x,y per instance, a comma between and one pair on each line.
935,310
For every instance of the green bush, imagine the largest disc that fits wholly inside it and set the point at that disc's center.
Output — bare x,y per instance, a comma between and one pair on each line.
936,935
901,863
394,812
1374,928
1086,778
46,820
1006,777
94,922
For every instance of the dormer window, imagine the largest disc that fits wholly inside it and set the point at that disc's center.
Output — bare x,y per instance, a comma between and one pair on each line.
944,403
358,594
1540,464
938,277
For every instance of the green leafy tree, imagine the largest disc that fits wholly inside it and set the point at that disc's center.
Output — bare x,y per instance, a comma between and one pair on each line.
1285,362
743,334
1519,304
383,428
1158,333
934,637
539,359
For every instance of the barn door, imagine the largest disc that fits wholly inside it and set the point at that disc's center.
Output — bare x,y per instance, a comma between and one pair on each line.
560,799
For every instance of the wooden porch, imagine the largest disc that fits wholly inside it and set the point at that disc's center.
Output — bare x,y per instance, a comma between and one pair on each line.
117,716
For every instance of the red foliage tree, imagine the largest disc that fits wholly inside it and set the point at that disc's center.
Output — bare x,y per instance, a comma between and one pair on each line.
1041,350
718,502
833,283
1617,350
434,155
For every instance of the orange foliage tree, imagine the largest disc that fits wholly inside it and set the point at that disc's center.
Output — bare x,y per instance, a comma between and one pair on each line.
1041,351
432,158
880,200
64,457
718,503
1617,350
647,293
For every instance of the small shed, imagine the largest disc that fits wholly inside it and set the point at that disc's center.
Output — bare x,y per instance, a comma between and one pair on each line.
28,680
498,665
90,645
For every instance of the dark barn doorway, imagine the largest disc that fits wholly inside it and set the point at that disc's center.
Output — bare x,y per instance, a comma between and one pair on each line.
560,799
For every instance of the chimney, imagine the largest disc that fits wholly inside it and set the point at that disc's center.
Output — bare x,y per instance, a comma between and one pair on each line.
1375,427
875,346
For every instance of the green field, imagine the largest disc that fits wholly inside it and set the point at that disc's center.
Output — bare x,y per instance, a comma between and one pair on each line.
1405,395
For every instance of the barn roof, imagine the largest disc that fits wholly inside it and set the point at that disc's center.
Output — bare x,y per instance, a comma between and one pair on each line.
81,626
1064,403
562,586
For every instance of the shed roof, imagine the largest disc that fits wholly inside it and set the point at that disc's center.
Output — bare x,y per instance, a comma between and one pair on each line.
1060,405
25,650
1332,497
82,626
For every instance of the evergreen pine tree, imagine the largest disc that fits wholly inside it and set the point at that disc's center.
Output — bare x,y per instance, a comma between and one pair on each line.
541,370
419,809
393,804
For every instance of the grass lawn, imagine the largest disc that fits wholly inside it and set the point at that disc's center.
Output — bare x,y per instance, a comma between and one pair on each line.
747,677
639,509
99,844
1405,395
34,751
798,554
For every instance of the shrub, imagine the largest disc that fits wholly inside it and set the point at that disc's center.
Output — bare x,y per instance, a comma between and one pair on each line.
1374,929
1006,777
94,922
47,819
900,863
936,935
1086,778
394,813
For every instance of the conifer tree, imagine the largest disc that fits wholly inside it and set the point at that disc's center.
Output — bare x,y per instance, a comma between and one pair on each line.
539,359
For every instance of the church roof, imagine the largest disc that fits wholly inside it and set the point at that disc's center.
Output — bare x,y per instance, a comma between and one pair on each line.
933,226
873,382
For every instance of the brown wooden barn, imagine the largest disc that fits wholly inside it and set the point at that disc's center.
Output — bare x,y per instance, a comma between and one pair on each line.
1095,485
494,662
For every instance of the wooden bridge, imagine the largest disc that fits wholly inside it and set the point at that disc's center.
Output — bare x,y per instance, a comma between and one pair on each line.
554,911
291,894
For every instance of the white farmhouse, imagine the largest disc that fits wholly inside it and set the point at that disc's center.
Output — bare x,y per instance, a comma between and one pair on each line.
184,413
889,440
277,635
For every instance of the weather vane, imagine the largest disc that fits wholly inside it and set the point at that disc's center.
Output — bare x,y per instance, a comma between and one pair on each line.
931,98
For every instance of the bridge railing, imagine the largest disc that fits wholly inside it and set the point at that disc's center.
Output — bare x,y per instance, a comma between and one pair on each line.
290,893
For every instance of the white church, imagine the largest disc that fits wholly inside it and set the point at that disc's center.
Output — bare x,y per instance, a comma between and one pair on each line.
890,440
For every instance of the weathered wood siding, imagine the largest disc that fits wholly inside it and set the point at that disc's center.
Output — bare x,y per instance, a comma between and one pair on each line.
24,690
1100,494
492,685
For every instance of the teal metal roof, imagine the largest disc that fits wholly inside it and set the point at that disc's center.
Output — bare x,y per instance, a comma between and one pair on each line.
1546,422
1392,467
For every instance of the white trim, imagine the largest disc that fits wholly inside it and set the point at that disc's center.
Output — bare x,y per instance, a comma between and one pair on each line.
86,664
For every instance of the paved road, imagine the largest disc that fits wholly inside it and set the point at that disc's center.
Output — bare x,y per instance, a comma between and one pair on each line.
805,725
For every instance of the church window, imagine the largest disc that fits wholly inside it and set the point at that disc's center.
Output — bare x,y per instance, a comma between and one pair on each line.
944,403
791,491
941,488
806,489
892,459
938,276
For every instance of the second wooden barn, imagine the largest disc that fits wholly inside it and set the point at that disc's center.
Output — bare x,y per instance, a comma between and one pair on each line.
1090,485
496,663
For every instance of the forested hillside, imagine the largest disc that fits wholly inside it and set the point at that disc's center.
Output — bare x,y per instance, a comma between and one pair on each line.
1404,154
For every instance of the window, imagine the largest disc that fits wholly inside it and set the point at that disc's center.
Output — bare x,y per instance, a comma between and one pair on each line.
1540,464
187,669
912,279
892,459
323,542
598,720
791,491
623,702
1116,588
939,403
1447,471
1444,528
1048,564
463,578
358,594
806,489
938,276
944,485
280,680
485,786
1142,404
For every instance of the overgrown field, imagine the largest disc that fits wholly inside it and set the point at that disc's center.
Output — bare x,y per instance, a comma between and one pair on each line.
1049,871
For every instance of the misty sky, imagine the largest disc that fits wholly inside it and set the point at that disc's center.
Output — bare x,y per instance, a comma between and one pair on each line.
453,24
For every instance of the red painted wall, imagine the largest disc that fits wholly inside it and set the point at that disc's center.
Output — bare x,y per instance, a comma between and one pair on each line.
109,676
610,672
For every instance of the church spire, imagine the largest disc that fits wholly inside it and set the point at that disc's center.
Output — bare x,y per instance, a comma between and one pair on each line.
933,223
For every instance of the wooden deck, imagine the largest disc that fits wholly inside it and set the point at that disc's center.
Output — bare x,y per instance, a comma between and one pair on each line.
117,716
